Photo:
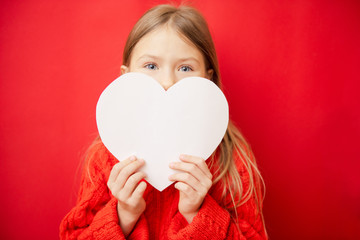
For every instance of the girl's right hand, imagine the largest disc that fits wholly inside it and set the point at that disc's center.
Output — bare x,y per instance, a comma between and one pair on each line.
125,187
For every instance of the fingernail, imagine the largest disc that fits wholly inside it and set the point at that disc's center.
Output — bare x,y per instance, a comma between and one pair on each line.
172,165
182,156
141,160
132,158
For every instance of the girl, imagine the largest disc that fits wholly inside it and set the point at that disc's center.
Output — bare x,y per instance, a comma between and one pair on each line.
217,199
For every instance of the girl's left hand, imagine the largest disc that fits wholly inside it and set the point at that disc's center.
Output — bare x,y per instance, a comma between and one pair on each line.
193,181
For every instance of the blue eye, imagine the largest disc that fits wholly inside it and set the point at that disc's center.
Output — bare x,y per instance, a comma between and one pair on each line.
151,66
185,69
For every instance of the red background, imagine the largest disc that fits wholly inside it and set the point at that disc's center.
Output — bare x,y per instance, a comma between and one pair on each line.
290,71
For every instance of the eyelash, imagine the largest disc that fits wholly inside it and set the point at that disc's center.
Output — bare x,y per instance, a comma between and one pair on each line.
151,65
188,67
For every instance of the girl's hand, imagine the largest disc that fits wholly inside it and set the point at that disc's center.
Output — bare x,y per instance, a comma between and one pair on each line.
125,187
193,182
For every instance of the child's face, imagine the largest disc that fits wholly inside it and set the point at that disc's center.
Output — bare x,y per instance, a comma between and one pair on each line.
165,56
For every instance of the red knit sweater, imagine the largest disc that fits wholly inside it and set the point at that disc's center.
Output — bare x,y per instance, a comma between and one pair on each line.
95,215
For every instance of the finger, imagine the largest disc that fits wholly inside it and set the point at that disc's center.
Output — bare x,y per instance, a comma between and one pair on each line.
131,183
198,161
118,167
187,179
184,188
127,171
139,191
192,169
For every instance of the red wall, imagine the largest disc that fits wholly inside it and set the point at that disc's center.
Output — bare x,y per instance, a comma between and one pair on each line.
290,71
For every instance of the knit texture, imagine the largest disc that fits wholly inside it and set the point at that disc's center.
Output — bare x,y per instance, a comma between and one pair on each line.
95,215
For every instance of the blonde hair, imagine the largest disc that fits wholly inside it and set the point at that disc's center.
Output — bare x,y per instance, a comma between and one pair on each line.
189,23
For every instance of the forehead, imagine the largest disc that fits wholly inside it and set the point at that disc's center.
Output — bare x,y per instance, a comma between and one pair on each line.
166,42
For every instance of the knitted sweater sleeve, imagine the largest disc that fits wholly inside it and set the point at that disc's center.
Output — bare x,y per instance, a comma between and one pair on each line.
95,215
214,222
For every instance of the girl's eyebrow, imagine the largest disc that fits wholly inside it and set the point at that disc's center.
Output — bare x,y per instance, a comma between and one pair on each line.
189,59
148,56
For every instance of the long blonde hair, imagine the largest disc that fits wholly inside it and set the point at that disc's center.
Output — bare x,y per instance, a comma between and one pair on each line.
189,23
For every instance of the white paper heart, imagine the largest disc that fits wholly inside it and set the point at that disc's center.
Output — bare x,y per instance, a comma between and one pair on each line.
136,116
